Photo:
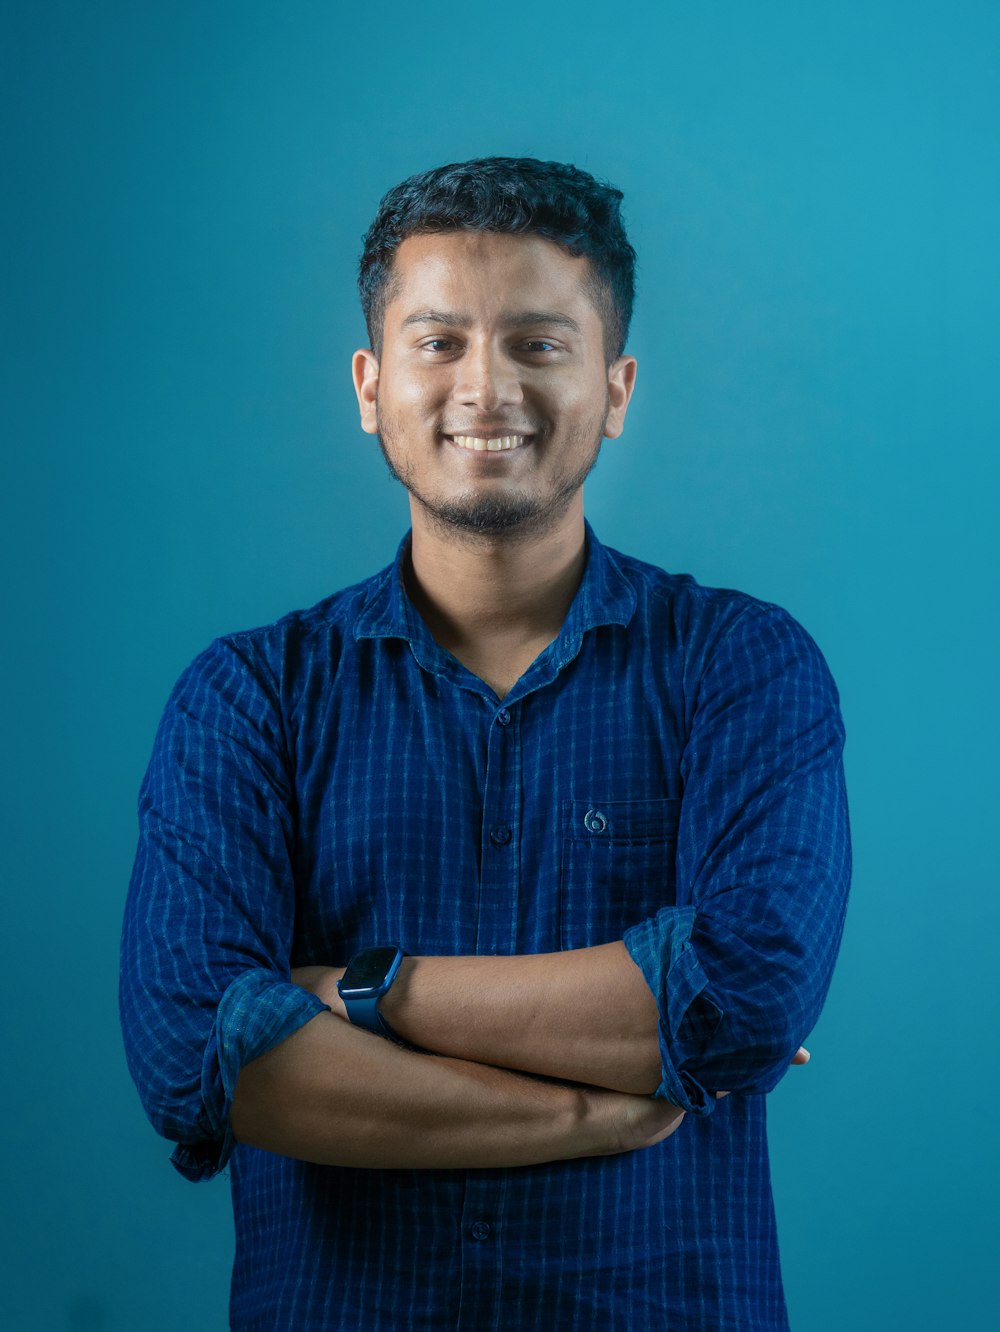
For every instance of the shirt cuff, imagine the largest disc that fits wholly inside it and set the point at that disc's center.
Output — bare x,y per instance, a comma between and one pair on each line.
662,950
257,1012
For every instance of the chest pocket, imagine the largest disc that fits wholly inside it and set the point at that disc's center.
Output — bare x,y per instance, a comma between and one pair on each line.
618,866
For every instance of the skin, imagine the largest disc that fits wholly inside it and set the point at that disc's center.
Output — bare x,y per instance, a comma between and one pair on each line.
451,1005
498,538
515,347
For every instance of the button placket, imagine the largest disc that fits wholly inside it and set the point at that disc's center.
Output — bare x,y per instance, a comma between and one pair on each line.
499,888
481,1255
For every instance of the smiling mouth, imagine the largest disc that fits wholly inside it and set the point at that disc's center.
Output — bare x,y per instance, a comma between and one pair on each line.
499,444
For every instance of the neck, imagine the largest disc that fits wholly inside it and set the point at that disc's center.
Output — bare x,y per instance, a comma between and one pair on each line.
496,599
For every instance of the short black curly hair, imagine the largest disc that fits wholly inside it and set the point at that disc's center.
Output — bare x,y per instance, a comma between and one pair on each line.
516,195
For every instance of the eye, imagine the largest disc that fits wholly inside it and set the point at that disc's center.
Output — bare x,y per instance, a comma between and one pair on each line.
539,345
432,343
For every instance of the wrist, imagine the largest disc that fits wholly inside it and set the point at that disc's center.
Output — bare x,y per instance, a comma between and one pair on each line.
397,1004
322,982
591,1122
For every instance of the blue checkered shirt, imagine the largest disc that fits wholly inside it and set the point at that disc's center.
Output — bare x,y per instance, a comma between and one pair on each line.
668,771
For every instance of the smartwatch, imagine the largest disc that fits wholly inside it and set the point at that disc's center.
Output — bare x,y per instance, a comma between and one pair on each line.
367,978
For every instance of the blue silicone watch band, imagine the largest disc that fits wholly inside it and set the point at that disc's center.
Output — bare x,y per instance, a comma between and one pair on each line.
362,1010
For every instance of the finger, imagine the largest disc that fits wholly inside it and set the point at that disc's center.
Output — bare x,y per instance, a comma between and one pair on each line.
801,1056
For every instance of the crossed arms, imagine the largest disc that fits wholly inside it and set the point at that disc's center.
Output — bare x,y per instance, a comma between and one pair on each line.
339,1095
584,1015
536,1058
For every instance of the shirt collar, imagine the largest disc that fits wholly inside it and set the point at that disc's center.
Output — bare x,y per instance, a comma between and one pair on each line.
605,596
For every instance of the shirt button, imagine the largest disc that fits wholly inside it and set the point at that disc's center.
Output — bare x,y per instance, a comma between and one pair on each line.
503,717
594,821
480,1230
500,835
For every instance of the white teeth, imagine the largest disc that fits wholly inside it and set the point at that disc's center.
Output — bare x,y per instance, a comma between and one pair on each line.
502,444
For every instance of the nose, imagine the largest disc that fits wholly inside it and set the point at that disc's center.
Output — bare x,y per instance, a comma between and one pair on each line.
487,377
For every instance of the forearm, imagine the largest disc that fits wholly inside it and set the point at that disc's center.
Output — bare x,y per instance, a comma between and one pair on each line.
335,1095
586,1014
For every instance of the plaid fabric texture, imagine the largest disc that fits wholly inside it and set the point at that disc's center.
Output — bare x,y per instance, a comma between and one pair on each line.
668,771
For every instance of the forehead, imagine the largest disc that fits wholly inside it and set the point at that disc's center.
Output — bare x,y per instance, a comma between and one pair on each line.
483,274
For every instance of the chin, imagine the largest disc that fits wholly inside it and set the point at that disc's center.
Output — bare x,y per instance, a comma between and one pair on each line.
489,515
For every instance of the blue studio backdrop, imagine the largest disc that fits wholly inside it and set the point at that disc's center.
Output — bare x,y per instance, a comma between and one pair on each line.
813,194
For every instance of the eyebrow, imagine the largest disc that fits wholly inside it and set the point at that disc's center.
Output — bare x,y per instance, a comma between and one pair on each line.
525,319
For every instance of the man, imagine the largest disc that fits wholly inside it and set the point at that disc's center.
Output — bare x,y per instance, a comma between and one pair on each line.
575,828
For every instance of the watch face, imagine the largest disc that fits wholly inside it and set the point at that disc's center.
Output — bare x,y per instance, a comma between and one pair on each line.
368,970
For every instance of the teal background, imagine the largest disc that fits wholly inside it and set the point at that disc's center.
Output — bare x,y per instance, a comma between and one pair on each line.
814,197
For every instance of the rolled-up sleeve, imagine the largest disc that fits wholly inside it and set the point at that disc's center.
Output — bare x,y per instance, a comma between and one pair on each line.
741,966
207,934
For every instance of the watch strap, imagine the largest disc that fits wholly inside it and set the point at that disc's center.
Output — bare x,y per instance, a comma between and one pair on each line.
363,1011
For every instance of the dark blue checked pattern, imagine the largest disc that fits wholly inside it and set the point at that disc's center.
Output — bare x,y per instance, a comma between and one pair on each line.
668,771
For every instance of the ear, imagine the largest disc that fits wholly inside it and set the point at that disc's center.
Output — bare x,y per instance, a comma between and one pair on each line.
621,382
364,369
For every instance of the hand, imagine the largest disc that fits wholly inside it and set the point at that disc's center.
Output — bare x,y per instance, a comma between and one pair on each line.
624,1122
641,1121
801,1056
322,981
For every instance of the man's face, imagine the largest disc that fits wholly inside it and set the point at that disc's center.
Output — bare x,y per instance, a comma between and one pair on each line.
492,394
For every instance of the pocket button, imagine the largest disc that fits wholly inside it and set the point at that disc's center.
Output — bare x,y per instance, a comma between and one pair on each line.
594,821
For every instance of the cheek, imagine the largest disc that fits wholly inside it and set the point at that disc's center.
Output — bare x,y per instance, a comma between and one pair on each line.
417,392
582,406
